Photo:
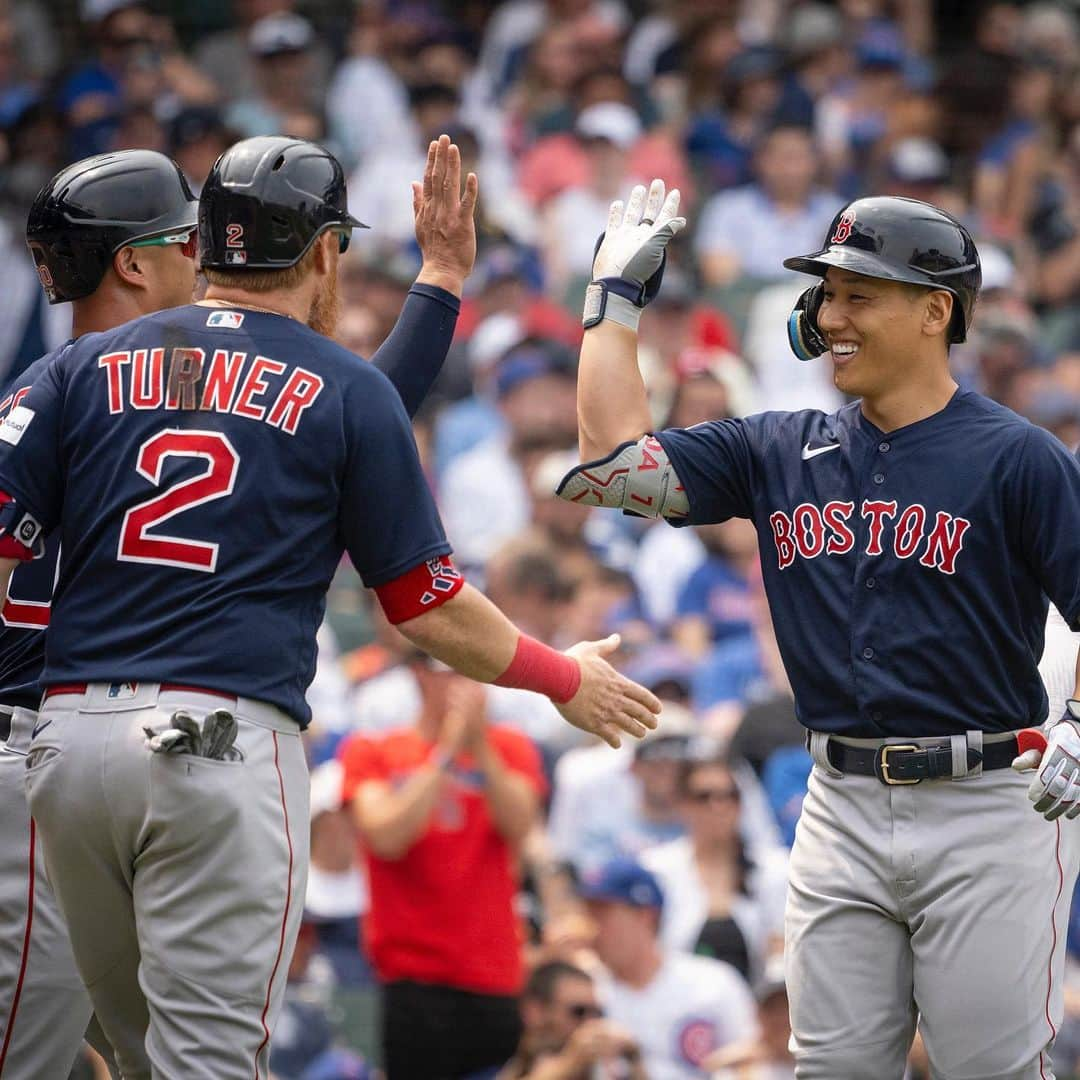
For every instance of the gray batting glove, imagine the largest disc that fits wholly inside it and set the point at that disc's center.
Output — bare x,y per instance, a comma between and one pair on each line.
1056,787
627,264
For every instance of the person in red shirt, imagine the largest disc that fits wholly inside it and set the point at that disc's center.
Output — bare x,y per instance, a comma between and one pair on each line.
441,808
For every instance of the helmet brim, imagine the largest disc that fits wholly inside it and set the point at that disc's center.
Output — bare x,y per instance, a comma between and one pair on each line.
858,262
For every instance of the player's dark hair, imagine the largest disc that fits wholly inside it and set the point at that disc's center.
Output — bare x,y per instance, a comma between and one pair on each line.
540,986
710,758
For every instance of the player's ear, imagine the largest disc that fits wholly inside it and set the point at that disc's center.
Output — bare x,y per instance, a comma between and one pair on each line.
326,245
128,267
937,314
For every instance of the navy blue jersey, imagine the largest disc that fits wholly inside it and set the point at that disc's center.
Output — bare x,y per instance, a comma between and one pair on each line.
206,468
907,573
25,613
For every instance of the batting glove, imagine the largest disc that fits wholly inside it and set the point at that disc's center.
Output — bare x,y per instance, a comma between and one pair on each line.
1056,787
629,261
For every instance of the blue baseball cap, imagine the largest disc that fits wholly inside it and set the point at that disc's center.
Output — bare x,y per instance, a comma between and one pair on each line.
624,881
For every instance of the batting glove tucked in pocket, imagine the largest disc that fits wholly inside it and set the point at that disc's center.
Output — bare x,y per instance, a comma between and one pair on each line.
1056,787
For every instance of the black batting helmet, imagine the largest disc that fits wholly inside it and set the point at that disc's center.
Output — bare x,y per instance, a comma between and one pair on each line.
902,240
91,209
265,201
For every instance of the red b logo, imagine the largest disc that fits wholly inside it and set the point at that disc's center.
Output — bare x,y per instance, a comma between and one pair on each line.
843,227
45,276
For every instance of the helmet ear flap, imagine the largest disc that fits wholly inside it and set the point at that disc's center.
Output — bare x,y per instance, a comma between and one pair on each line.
804,336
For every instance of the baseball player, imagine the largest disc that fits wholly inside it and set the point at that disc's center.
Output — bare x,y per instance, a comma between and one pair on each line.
909,542
206,467
92,243
115,236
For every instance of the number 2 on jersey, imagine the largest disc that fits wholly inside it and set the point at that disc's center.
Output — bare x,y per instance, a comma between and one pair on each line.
216,482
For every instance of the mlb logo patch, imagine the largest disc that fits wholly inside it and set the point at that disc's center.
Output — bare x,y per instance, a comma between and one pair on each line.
120,691
236,258
229,320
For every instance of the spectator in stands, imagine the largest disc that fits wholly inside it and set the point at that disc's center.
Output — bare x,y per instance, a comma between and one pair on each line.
609,804
197,137
566,1036
682,1008
441,807
573,219
721,900
485,499
136,54
282,49
226,56
768,1056
747,232
714,604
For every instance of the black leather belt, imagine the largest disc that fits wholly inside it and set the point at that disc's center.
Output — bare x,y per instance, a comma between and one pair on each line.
906,763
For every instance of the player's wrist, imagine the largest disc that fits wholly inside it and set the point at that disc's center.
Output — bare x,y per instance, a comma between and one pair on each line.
604,303
542,669
453,281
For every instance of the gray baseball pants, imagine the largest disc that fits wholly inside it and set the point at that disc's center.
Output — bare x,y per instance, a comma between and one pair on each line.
44,1008
944,902
181,878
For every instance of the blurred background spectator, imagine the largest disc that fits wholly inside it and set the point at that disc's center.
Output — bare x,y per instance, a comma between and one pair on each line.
768,114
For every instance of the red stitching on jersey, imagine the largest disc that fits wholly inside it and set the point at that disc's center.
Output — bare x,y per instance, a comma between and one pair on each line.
285,914
25,953
1053,944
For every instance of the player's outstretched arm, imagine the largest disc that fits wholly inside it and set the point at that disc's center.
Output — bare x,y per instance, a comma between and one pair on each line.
414,352
474,637
627,270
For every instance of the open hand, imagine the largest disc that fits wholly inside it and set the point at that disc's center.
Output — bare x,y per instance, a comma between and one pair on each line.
606,702
445,218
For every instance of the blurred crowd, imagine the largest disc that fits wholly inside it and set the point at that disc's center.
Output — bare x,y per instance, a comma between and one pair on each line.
488,894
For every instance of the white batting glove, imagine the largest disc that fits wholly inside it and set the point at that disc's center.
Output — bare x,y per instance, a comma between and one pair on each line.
1056,787
631,253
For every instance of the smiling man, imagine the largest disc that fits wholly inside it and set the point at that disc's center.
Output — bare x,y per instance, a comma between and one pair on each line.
908,544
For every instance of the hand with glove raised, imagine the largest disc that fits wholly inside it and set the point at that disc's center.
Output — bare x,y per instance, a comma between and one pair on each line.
629,262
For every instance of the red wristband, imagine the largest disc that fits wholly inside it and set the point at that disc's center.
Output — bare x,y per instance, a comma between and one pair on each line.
538,667
423,588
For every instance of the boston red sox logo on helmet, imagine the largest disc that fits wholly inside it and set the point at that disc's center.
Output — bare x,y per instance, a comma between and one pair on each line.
843,227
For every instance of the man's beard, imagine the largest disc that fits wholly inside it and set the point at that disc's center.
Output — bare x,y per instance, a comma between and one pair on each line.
325,311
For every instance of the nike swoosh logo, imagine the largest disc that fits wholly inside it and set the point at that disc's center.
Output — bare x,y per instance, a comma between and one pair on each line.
39,728
807,453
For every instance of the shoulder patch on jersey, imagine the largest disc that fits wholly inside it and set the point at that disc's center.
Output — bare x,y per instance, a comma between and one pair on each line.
228,320
16,423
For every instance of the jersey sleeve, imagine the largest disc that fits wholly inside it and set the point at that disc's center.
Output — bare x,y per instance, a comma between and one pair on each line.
31,470
1047,511
361,761
716,463
388,519
413,354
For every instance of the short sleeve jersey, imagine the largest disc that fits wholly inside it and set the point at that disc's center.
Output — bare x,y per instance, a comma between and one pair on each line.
907,572
206,468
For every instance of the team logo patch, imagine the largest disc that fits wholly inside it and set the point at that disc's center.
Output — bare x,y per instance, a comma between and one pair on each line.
16,423
27,531
121,691
229,320
843,227
236,258
45,276
696,1041
443,578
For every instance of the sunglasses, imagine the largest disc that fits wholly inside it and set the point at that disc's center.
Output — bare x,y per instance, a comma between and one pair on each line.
344,236
188,238
585,1012
709,795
